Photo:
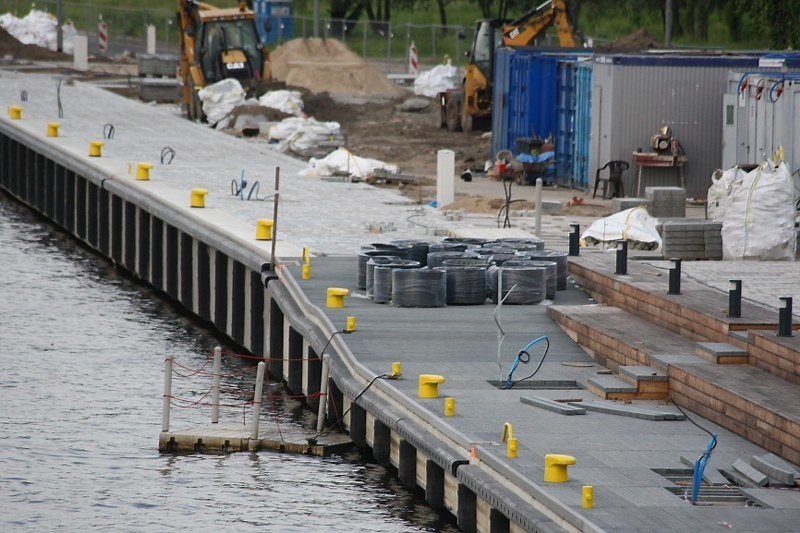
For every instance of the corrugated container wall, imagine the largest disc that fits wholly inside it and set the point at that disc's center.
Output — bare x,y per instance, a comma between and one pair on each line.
536,95
634,96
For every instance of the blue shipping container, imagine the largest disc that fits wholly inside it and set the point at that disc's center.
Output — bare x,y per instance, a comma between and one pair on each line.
538,93
274,20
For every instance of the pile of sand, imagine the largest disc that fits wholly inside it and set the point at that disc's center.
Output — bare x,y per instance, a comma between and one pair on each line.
634,42
329,66
10,47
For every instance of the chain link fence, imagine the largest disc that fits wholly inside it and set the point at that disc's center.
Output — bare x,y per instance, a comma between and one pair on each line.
381,41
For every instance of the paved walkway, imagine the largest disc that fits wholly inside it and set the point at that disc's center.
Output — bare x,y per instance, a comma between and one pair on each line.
620,456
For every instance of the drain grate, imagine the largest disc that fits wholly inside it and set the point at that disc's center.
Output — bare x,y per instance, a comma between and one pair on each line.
540,384
708,495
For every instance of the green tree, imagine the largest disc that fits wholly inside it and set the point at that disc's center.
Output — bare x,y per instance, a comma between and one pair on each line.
779,19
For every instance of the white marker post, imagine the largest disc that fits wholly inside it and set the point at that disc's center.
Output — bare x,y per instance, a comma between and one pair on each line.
167,395
151,39
215,385
445,178
323,393
257,405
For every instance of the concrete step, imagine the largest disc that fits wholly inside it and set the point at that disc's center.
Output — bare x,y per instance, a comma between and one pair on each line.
663,362
611,388
721,353
648,382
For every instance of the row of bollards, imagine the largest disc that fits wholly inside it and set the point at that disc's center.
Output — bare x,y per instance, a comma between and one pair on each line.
734,291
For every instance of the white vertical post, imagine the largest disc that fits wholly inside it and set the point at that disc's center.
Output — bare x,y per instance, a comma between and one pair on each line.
323,392
167,395
257,403
151,39
445,177
538,230
215,385
80,51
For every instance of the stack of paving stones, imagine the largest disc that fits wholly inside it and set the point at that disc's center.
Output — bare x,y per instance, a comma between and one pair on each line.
666,202
691,238
621,204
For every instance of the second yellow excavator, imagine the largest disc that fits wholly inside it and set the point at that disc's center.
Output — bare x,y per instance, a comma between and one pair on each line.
470,106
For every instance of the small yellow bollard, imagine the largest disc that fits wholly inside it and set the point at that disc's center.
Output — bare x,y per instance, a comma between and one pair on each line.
143,171
336,296
52,129
587,497
555,467
350,325
449,407
15,112
397,369
511,448
305,271
306,255
264,230
198,198
96,148
429,385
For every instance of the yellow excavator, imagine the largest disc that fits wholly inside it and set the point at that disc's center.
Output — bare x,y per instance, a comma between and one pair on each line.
219,43
470,106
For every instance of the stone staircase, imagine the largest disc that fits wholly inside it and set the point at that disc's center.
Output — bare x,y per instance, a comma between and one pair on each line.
736,372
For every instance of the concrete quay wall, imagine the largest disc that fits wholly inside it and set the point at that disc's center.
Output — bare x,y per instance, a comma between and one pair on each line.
208,261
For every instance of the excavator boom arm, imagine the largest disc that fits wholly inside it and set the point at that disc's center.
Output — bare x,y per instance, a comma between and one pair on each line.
524,30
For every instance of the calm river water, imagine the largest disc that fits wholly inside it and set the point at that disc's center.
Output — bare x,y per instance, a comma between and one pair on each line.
82,353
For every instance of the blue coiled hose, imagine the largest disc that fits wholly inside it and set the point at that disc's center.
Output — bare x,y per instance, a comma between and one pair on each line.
523,356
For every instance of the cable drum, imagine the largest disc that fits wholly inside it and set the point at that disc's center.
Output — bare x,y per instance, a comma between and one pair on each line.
551,275
374,261
382,279
465,285
530,284
514,241
471,241
466,262
363,257
435,259
419,287
560,259
448,247
500,258
403,251
419,250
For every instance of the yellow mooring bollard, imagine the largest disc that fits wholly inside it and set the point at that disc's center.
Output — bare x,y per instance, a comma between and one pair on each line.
198,197
96,148
264,229
52,129
511,442
449,406
305,271
143,171
15,112
429,385
587,497
397,369
555,467
335,296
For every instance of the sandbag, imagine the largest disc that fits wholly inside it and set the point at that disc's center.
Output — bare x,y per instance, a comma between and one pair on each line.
634,225
720,191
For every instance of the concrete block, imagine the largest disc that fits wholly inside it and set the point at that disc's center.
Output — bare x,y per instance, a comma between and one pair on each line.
775,468
721,348
611,384
642,373
158,65
552,405
758,478
621,204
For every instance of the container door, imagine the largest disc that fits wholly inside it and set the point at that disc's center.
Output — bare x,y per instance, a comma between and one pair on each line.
730,131
565,120
583,120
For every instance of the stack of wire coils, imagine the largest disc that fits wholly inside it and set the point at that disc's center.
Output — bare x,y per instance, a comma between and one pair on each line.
466,285
446,246
521,243
523,285
363,256
469,241
382,278
560,259
419,287
435,259
419,249
372,263
551,273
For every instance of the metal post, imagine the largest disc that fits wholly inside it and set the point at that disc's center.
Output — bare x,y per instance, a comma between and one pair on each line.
785,317
574,240
167,394
215,385
59,23
276,197
675,277
622,257
323,393
538,195
257,404
735,298
316,19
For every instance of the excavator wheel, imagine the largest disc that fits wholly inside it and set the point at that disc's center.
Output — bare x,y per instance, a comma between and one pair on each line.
453,115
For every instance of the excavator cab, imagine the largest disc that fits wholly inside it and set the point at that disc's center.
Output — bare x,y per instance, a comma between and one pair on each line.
230,49
488,36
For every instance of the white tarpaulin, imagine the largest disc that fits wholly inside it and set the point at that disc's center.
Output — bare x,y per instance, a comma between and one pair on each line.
634,225
287,101
759,216
219,99
37,27
298,134
342,160
436,80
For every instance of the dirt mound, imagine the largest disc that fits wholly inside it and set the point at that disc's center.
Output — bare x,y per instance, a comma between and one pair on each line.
9,46
328,65
638,40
